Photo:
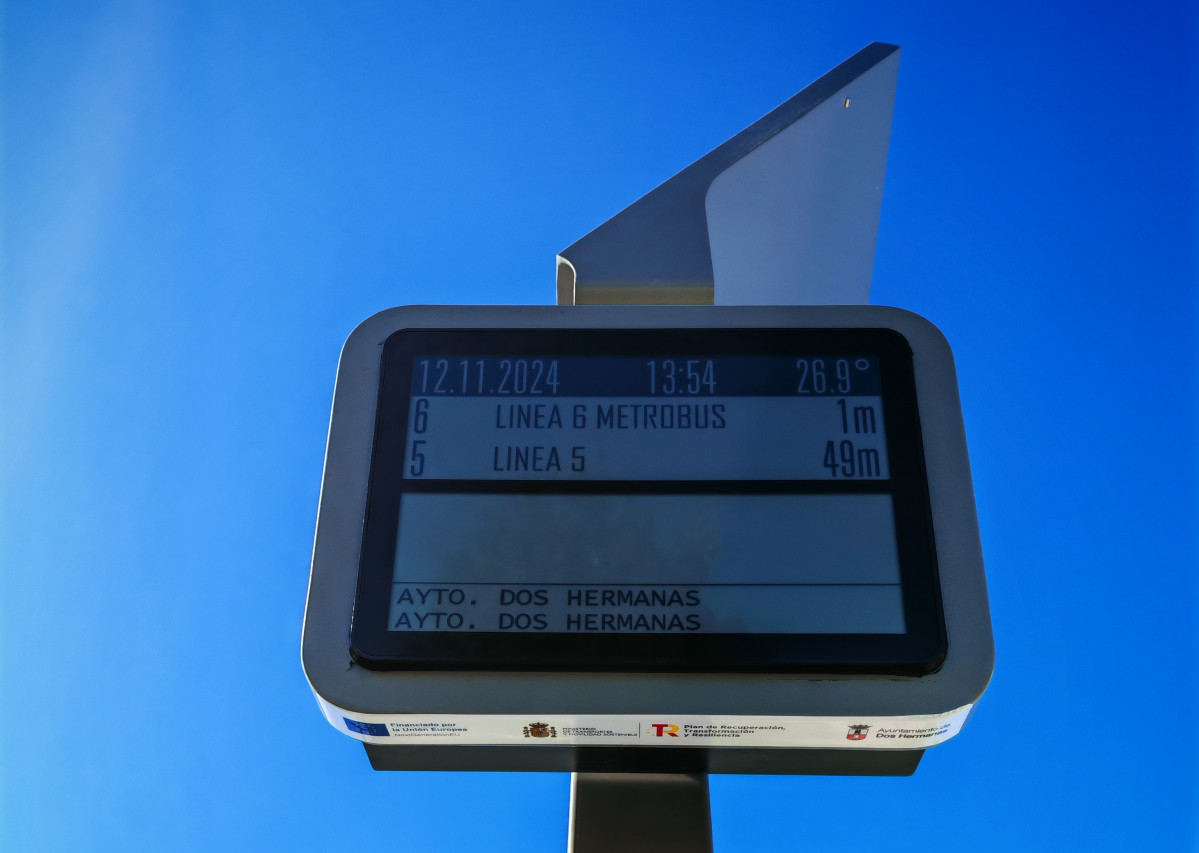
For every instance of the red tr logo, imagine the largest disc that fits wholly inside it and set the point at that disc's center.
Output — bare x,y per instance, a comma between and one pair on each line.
664,730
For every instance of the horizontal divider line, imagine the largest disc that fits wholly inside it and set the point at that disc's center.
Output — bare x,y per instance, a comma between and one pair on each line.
616,583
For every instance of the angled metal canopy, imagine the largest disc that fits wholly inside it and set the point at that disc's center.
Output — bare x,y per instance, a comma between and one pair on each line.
785,212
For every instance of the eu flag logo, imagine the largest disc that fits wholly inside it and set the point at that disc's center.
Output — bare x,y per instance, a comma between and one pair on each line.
372,729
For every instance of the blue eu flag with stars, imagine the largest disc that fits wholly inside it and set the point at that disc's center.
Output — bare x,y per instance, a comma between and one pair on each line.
372,729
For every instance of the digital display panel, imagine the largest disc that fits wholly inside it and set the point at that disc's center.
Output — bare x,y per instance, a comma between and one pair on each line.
673,418
704,563
661,499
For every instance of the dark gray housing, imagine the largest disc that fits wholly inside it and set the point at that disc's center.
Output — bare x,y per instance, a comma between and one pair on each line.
334,677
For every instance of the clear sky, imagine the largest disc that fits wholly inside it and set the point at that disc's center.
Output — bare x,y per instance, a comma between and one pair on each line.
201,200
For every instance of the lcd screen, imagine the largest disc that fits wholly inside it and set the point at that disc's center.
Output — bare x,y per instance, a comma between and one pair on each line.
647,563
678,417
649,499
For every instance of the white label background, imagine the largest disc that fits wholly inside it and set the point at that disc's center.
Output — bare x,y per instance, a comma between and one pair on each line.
898,732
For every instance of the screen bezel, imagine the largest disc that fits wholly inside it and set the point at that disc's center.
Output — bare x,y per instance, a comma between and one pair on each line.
918,651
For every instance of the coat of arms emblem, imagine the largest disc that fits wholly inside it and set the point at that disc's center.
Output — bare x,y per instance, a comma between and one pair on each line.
540,730
857,733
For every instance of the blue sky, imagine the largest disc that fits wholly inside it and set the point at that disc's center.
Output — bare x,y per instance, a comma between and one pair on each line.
201,200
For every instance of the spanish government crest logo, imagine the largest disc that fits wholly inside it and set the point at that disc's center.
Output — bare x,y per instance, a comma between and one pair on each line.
540,730
857,733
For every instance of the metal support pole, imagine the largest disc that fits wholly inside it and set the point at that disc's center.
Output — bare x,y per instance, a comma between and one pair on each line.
636,812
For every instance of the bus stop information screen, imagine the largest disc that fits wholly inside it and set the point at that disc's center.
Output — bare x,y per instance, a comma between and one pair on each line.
648,499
